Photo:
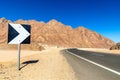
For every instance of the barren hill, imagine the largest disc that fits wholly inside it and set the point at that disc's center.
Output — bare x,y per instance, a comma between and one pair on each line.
58,34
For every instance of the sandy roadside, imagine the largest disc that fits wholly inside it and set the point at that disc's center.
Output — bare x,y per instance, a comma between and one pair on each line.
48,65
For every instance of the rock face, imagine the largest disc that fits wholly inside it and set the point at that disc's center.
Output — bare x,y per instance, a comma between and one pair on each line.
115,47
58,34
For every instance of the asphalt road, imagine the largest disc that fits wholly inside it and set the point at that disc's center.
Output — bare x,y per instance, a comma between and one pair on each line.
93,66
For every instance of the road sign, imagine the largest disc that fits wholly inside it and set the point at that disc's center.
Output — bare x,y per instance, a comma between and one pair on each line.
18,34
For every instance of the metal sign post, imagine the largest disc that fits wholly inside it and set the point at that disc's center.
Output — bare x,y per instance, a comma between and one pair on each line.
19,47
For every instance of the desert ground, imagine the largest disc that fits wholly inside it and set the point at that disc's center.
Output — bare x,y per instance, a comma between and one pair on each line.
48,64
35,65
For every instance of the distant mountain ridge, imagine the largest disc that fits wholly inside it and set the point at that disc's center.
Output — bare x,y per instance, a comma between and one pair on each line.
58,34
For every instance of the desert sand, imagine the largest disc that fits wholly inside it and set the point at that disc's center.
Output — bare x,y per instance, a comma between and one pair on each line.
35,65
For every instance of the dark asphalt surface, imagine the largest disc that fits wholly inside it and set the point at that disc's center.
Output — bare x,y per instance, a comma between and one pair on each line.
87,71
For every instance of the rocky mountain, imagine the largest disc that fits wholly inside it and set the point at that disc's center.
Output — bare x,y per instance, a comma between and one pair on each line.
115,47
57,34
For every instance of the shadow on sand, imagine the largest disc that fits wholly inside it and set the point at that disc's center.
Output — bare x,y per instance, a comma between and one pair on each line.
28,62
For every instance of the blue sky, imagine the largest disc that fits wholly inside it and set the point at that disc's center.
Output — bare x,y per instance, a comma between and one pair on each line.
102,16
